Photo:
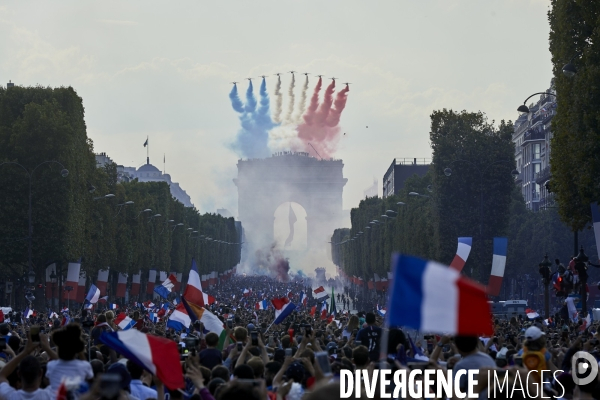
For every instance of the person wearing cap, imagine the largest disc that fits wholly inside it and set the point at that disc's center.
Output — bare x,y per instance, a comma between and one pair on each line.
535,357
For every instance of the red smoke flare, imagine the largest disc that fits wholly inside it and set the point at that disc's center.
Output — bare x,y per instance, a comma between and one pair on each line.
340,103
326,105
320,128
314,103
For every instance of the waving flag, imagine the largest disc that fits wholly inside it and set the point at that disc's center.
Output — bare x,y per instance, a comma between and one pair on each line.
430,297
417,352
283,308
498,264
193,294
303,299
262,305
247,292
313,310
157,355
124,322
167,286
324,310
113,306
462,253
179,318
381,310
319,293
531,314
148,304
93,294
213,324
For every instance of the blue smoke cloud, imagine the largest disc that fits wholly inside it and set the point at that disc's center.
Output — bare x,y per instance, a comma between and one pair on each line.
252,140
236,102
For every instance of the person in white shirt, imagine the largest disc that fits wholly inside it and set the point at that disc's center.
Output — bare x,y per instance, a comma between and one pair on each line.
30,372
69,343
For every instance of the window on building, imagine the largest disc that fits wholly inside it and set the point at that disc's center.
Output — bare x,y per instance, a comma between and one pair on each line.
537,149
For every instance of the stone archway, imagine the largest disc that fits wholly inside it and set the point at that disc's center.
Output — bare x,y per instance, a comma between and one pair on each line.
264,184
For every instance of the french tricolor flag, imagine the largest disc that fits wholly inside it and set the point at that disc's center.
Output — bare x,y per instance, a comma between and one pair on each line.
247,292
498,264
531,314
462,253
167,286
157,355
283,308
319,292
124,322
430,297
262,305
324,310
195,298
113,306
179,318
303,299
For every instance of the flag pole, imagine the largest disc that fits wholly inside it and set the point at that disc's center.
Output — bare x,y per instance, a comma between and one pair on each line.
269,327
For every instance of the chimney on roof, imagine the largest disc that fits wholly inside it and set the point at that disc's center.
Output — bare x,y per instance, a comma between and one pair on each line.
415,162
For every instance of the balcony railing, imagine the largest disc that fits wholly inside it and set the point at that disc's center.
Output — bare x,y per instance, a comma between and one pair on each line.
534,135
542,176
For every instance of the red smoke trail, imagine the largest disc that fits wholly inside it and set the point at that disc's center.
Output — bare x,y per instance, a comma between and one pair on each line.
325,107
340,103
321,128
314,103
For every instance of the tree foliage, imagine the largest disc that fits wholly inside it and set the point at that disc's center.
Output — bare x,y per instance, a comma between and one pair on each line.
40,124
575,165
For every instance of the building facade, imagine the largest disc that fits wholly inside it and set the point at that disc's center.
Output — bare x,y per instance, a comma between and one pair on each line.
146,173
532,137
400,170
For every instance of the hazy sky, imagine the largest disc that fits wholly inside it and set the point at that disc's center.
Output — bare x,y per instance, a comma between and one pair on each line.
164,69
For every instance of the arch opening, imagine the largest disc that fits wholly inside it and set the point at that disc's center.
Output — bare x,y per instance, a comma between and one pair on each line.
290,227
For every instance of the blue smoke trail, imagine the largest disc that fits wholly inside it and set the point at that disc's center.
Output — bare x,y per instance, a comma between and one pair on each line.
250,99
253,139
236,103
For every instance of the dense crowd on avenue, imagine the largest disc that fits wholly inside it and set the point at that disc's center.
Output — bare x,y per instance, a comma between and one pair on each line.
87,355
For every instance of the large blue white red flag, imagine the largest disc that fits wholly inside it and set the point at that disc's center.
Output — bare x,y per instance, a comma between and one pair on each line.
157,355
303,299
462,253
283,308
430,297
124,322
262,305
498,264
167,286
193,294
93,294
179,318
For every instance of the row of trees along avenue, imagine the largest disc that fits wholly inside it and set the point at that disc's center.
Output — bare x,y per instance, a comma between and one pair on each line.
70,221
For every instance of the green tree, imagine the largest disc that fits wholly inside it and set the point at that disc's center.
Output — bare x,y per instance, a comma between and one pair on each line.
575,166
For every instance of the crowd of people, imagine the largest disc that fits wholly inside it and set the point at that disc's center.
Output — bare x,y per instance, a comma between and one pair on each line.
300,358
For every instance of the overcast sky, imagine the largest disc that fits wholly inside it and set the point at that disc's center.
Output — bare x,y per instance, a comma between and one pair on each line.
163,69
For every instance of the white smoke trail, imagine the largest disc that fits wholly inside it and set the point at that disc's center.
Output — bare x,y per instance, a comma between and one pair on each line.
302,106
278,101
288,117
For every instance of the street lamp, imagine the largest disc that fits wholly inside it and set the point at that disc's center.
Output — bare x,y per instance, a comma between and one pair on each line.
523,109
417,194
544,269
106,196
64,173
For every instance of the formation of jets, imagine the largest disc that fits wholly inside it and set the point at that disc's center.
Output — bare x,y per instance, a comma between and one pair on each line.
293,72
